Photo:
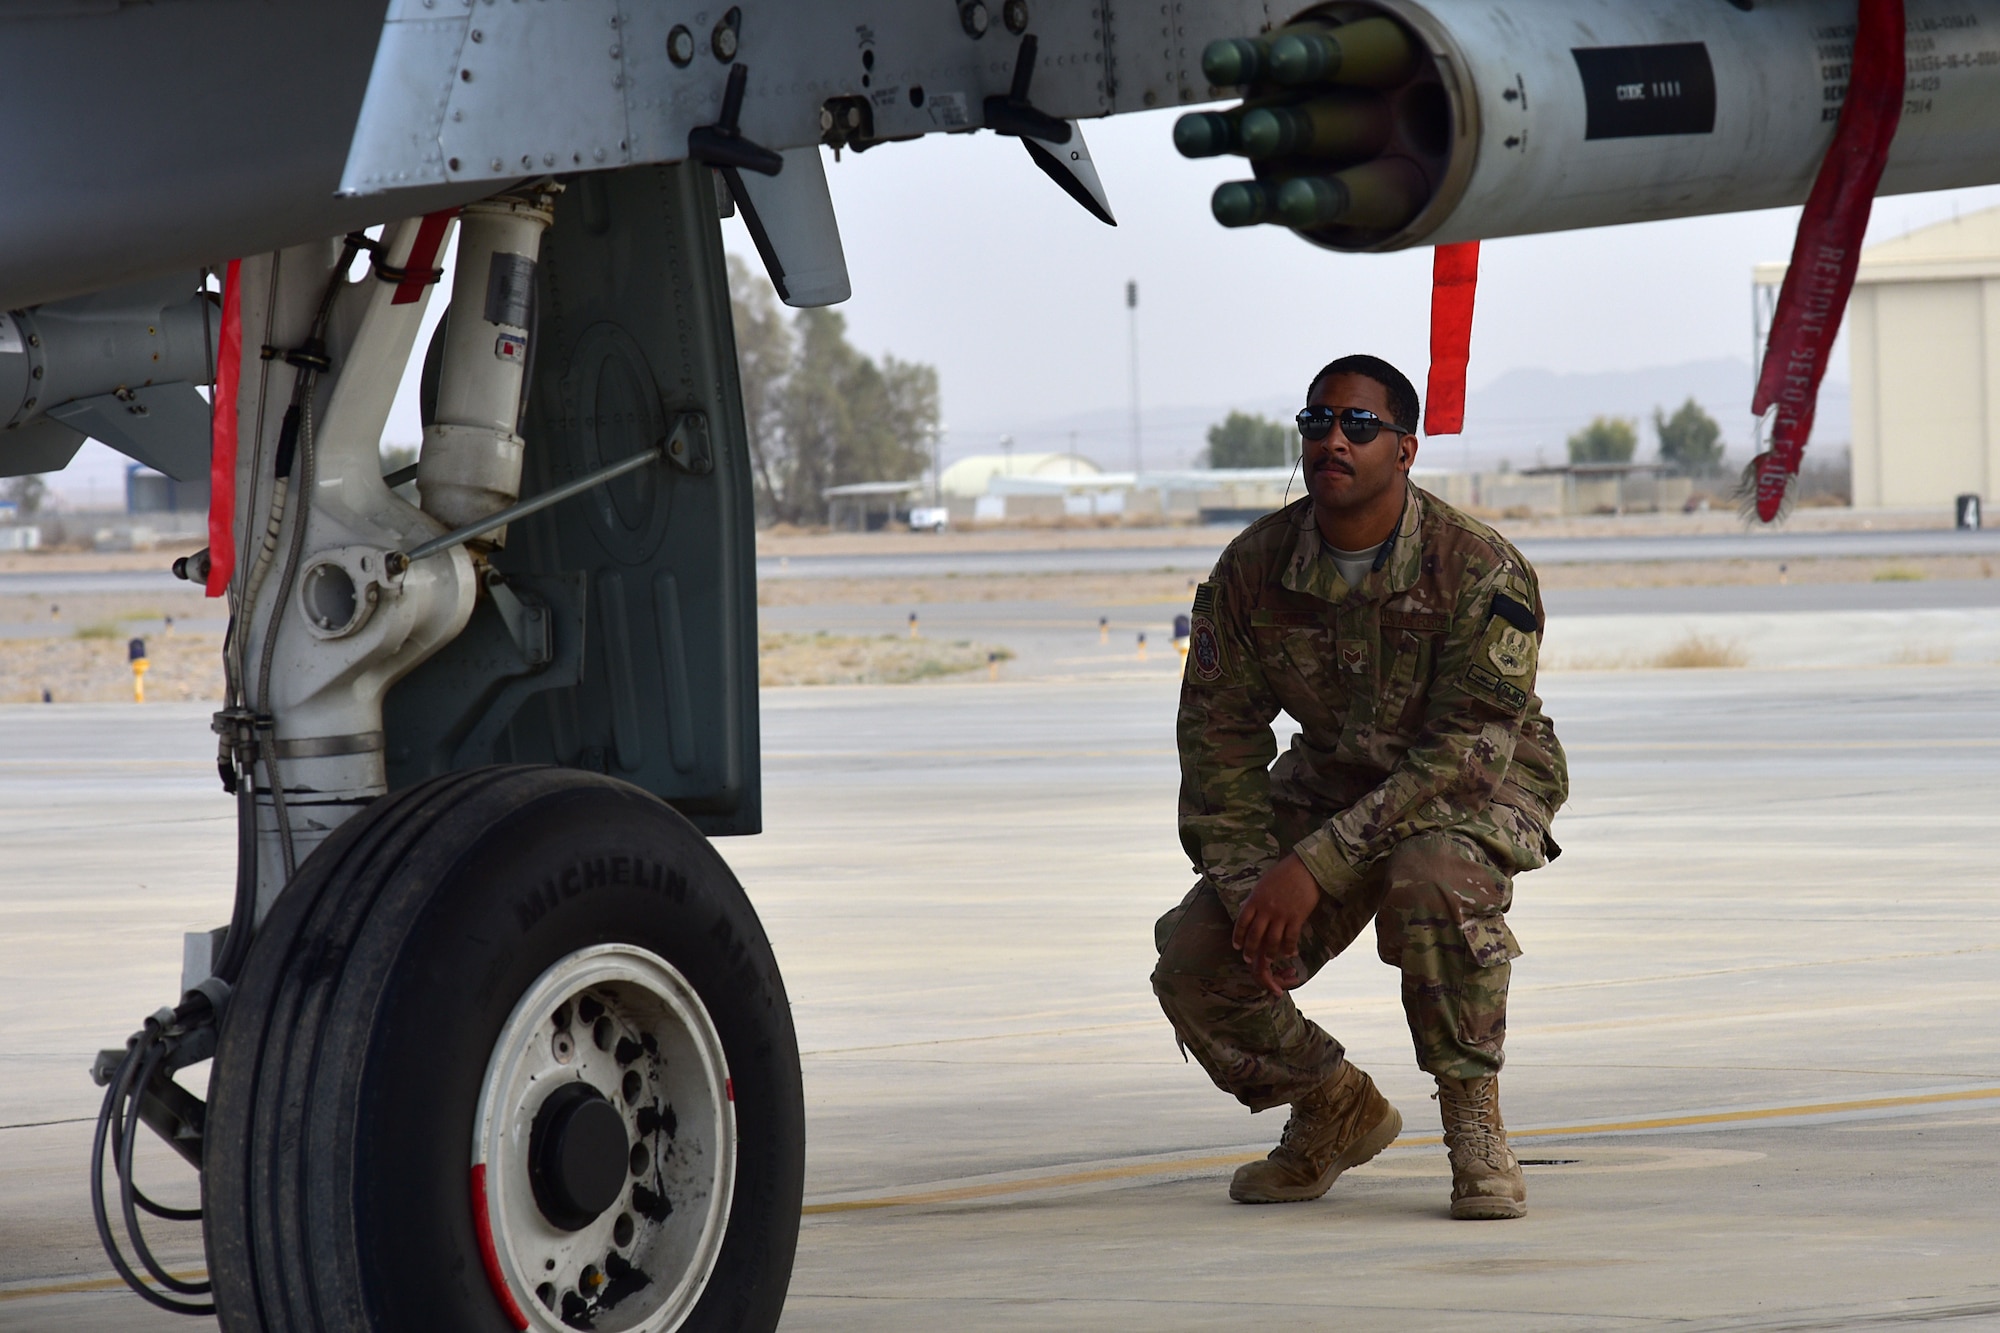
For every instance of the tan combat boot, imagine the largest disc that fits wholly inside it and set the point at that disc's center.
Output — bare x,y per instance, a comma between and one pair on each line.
1485,1179
1340,1124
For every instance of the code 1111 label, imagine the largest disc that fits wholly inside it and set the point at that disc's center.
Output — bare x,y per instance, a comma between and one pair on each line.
1632,92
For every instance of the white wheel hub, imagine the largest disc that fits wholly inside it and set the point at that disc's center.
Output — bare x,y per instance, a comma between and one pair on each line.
613,1028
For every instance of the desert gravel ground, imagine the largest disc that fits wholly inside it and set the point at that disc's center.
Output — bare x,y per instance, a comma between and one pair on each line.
74,670
75,645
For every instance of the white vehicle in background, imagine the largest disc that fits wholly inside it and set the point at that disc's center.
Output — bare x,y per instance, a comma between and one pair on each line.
930,519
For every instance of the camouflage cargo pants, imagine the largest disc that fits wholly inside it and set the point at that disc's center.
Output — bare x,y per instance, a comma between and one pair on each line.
1436,901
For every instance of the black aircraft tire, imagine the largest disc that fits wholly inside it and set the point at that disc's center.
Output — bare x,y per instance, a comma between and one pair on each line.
352,1057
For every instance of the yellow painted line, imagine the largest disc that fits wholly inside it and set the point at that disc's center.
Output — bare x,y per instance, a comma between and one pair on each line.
1181,1165
961,1193
82,1286
1766,1113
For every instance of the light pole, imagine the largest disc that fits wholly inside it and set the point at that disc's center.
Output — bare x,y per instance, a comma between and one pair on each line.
937,464
1132,322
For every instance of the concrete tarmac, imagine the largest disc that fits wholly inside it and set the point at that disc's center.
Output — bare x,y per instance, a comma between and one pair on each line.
1750,1056
1190,550
72,582
1197,556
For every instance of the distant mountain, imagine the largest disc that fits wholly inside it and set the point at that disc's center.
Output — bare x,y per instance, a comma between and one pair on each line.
1521,417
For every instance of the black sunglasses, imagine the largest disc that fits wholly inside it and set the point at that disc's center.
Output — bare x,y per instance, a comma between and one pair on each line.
1358,424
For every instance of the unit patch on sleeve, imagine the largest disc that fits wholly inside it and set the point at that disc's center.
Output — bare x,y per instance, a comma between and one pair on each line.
1204,649
1509,643
1511,652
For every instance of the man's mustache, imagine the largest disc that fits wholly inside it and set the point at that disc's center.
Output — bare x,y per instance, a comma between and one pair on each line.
1332,463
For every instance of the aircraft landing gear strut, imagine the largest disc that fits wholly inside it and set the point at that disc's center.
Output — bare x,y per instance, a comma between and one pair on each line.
505,1047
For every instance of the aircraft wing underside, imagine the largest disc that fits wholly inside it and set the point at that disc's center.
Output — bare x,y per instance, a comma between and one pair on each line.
192,133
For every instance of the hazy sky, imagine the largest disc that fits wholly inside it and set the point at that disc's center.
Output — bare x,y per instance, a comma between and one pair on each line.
965,256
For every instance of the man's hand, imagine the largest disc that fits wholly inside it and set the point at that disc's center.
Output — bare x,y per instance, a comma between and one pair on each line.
1267,929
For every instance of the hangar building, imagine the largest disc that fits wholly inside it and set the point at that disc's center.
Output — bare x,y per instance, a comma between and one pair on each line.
1923,338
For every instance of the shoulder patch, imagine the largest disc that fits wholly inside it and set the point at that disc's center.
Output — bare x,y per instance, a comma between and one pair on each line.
1515,613
1204,649
1503,658
1204,599
1512,653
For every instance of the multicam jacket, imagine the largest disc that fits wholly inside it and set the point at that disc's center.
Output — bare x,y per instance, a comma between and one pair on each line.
1414,695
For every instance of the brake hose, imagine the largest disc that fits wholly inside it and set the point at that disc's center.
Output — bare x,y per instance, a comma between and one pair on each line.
117,1125
157,1048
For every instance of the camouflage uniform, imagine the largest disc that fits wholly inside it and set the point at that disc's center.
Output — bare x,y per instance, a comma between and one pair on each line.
1424,777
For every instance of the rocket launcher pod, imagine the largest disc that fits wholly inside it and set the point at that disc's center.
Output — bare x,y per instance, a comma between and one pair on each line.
1346,125
1385,193
1208,133
1235,61
1244,203
1370,53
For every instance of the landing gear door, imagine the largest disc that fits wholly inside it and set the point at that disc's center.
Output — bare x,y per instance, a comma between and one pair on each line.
621,635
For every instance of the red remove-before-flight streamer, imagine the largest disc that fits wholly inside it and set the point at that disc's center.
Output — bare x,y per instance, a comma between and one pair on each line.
1454,279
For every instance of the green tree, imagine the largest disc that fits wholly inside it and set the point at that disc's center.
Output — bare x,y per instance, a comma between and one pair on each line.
27,493
910,415
814,416
764,350
1605,440
1244,439
1690,439
820,413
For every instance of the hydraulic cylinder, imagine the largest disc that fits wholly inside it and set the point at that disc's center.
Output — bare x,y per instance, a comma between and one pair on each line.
471,461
